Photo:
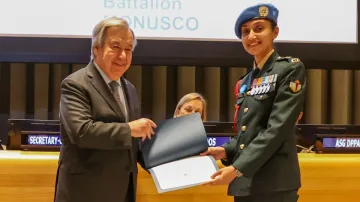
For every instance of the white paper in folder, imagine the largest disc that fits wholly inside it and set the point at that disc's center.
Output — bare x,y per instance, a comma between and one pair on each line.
183,173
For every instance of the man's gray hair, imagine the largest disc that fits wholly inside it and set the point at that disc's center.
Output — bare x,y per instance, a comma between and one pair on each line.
99,32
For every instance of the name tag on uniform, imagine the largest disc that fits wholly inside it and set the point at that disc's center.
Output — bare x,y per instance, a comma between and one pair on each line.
263,84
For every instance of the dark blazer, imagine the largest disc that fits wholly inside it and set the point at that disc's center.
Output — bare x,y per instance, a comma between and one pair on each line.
98,154
264,150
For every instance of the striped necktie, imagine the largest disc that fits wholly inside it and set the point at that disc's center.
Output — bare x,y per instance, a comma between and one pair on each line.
118,93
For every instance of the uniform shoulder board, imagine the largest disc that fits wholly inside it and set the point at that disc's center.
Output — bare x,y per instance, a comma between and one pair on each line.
289,59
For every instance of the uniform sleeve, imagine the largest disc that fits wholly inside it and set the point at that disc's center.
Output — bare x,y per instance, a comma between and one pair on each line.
82,129
286,107
230,149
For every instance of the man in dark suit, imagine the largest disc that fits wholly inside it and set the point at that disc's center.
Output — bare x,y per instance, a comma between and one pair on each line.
261,161
100,125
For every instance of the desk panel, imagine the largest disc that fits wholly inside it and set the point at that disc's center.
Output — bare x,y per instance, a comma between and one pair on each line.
30,176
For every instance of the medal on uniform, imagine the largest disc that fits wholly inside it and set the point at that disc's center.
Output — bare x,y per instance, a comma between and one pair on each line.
254,82
267,88
263,84
243,89
261,88
257,89
265,81
252,92
271,77
253,88
259,81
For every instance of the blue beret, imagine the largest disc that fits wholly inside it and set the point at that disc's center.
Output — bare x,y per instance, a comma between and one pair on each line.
262,10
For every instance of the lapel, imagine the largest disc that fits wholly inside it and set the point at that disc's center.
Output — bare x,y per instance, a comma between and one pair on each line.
247,81
99,84
268,66
128,97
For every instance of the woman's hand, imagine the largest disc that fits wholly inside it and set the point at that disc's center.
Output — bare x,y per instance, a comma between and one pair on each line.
216,152
223,176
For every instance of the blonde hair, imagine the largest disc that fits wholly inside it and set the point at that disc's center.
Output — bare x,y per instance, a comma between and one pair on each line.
192,96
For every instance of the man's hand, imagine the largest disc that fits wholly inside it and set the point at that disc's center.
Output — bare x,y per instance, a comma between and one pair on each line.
142,128
216,152
223,176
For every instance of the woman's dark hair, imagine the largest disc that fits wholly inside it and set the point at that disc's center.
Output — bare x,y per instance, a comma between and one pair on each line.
273,24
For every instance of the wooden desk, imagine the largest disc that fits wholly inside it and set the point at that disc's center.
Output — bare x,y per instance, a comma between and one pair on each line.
30,177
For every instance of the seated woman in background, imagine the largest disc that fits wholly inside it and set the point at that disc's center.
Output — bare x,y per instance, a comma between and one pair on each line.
191,103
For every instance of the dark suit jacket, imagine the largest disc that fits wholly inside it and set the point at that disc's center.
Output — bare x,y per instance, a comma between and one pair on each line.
264,149
98,154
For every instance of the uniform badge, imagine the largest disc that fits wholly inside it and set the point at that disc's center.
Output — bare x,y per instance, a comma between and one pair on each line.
263,11
243,89
295,86
295,60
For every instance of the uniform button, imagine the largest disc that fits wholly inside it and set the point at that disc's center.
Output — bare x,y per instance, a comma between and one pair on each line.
243,128
261,97
246,110
242,146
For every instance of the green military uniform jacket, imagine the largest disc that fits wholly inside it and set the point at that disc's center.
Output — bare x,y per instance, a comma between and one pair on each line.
264,150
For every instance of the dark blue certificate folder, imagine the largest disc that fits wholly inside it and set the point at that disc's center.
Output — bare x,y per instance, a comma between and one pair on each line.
175,139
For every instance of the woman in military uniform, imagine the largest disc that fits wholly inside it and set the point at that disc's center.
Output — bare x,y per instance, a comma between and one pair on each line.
261,163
